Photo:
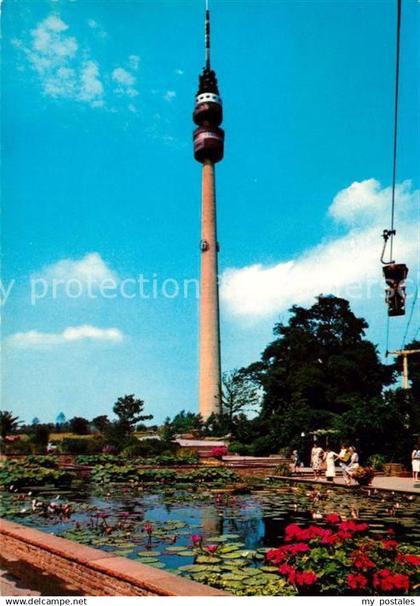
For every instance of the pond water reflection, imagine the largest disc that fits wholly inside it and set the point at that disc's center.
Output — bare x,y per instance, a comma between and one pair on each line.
157,525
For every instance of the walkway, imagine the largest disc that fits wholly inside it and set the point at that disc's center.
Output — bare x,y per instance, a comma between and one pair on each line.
380,482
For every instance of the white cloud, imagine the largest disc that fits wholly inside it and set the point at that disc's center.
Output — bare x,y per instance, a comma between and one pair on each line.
179,72
91,88
72,334
169,95
125,81
122,76
345,266
92,23
64,70
89,269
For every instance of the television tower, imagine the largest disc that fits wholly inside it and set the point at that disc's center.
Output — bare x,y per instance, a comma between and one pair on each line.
208,140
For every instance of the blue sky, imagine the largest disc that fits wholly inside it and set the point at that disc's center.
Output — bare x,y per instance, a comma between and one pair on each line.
99,183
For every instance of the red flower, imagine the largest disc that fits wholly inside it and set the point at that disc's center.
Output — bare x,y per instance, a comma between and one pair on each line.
409,558
333,518
387,581
276,556
148,527
298,548
286,569
357,581
212,548
332,539
389,545
306,578
362,561
293,532
352,526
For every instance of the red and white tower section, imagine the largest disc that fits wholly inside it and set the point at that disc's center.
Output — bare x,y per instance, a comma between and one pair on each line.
208,149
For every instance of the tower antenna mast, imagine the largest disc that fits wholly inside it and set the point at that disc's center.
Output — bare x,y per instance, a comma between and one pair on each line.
207,36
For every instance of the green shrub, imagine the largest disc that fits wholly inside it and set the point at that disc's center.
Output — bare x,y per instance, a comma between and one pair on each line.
148,448
97,459
80,446
245,450
39,439
17,447
377,461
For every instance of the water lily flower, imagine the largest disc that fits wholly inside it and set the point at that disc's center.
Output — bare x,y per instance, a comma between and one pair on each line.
212,548
148,527
196,539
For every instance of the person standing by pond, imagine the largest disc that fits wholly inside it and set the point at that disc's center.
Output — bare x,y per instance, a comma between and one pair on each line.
294,460
317,458
415,462
329,459
344,456
352,466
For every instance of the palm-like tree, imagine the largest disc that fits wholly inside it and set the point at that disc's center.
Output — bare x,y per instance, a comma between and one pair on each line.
8,423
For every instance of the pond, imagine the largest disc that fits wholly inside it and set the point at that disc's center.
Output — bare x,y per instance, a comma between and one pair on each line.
164,527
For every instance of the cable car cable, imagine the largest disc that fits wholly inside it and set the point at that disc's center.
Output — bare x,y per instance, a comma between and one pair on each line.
410,317
394,165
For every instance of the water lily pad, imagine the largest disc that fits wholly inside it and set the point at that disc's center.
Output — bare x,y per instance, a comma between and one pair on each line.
175,548
273,569
231,576
148,554
207,560
185,552
254,581
188,568
157,564
226,537
251,571
200,577
233,555
248,553
149,560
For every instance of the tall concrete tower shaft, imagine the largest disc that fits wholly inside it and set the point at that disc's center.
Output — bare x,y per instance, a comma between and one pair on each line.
210,371
208,149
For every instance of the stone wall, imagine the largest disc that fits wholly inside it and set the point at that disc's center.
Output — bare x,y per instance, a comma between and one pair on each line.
91,571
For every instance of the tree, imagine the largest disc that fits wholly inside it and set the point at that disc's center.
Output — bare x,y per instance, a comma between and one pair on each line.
35,421
8,423
39,438
319,364
239,393
183,422
79,425
60,419
384,425
128,410
101,423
